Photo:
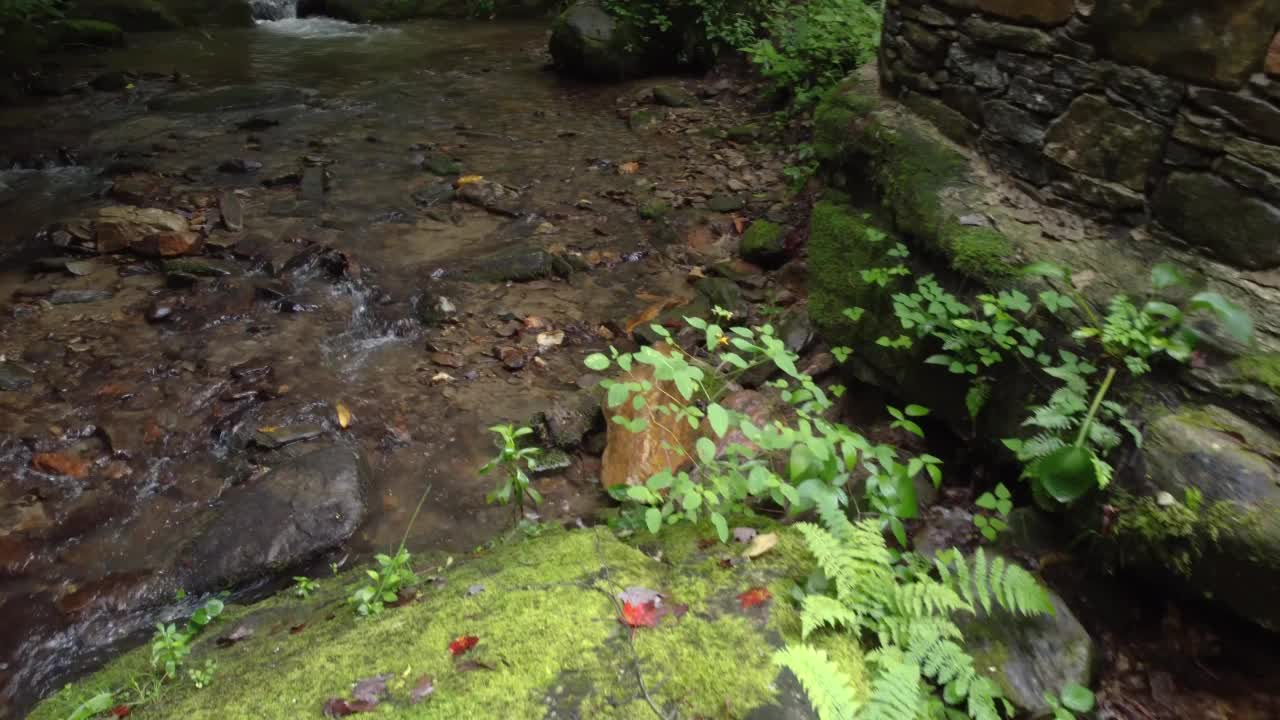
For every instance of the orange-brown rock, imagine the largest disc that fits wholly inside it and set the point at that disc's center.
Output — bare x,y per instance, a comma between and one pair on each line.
169,244
120,227
631,458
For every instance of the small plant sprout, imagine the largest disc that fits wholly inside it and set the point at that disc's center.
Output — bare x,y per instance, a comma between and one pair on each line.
393,574
203,677
303,586
999,503
510,462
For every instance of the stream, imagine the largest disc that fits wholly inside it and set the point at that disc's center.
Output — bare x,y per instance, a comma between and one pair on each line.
144,391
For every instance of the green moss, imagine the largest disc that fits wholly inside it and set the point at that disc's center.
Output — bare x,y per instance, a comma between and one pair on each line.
834,120
912,170
655,210
547,628
979,253
764,243
840,248
1176,535
1261,368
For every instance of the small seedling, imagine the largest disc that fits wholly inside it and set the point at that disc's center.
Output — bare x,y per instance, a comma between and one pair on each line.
511,461
303,586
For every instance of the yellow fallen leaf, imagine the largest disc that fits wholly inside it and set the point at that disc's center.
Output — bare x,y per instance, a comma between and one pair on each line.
268,429
469,179
344,416
760,545
629,168
441,377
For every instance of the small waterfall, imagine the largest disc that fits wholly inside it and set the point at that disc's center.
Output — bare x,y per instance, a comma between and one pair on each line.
274,9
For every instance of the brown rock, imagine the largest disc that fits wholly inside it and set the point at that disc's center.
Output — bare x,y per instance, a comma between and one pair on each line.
120,227
513,358
169,244
1272,65
631,458
60,464
1039,12
138,188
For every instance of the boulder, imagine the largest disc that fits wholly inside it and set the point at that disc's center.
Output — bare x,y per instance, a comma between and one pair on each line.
143,15
1203,514
1038,12
1105,142
89,32
299,509
1031,656
764,243
588,42
631,458
14,377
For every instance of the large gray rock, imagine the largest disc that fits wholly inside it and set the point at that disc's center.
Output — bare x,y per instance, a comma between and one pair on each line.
1221,218
301,508
589,42
1105,142
1029,657
1215,530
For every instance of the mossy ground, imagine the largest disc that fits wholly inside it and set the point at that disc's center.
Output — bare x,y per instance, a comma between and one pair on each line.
547,628
1261,368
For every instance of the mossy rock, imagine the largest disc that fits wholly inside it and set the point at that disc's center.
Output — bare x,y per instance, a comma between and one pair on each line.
550,640
655,210
92,33
764,243
517,266
145,15
588,42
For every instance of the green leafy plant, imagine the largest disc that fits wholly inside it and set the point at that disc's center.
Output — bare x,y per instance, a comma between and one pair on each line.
809,47
512,459
203,677
393,574
919,665
303,586
998,503
792,463
170,646
1073,699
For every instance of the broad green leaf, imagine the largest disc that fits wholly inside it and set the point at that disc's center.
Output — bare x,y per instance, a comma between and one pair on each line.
1166,275
1049,270
1078,698
722,526
719,419
986,501
653,520
706,450
618,394
916,411
1233,317
597,362
1068,474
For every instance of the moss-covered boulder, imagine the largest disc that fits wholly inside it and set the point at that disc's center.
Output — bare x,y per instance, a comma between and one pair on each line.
764,243
588,42
1205,513
89,33
550,641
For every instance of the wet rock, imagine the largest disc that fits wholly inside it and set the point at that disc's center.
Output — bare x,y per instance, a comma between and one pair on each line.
301,508
589,42
201,268
169,244
722,293
1036,12
569,421
674,96
494,197
120,227
631,458
239,166
72,266
440,193
511,357
232,211
114,81
1031,657
140,189
14,377
273,438
518,266
441,164
77,297
551,461
726,202
432,309
447,359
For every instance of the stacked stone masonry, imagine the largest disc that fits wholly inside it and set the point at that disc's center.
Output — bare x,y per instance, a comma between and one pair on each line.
1160,112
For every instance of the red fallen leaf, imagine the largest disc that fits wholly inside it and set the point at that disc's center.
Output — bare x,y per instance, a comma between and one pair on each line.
120,711
463,644
338,707
470,665
422,690
637,615
59,464
753,597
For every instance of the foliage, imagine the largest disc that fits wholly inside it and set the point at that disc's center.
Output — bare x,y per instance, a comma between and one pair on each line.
511,461
202,677
393,574
1076,428
29,12
303,586
725,24
808,47
170,646
792,463
999,503
910,614
1074,699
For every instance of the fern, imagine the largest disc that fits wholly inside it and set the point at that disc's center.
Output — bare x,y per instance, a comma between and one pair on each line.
830,691
911,616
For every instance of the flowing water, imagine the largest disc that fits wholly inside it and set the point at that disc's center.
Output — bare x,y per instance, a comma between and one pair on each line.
341,251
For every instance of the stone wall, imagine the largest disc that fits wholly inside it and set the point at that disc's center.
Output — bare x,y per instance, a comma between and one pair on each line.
1159,112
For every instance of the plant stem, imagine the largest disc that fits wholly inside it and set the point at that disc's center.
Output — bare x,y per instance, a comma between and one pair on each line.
412,520
1093,409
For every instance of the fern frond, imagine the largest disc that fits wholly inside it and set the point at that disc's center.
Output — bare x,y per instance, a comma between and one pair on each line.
922,599
1103,470
830,691
860,566
980,581
1042,445
896,691
985,700
819,611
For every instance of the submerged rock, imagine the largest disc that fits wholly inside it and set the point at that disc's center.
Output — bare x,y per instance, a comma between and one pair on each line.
494,197
14,377
301,508
517,266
